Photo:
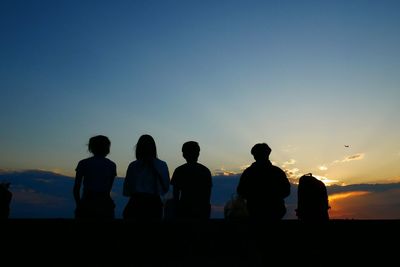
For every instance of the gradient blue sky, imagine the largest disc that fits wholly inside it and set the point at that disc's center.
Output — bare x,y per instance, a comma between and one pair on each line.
306,77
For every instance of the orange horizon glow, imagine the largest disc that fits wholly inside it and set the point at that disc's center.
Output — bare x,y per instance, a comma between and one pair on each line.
338,209
337,196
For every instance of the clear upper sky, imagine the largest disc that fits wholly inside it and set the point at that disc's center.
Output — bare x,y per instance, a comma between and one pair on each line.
306,77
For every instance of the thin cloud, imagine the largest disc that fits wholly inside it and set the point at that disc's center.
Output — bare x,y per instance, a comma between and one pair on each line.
289,162
322,168
326,180
393,180
292,173
358,156
289,149
223,172
344,195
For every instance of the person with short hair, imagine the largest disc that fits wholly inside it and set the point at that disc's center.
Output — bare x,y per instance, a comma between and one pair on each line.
97,174
192,183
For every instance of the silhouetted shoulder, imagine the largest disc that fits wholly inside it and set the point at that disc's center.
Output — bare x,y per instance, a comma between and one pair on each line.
178,174
112,163
133,164
191,172
204,168
160,162
205,172
93,163
161,167
278,171
136,165
81,163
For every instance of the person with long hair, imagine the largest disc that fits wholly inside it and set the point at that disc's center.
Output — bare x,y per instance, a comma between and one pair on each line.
146,180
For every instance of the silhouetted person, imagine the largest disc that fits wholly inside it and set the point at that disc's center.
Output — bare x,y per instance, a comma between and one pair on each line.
312,199
264,186
97,174
192,184
5,200
147,178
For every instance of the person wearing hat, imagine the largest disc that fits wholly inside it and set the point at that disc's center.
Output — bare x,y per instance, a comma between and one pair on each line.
264,186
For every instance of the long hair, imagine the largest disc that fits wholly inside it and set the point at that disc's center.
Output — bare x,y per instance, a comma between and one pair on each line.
146,148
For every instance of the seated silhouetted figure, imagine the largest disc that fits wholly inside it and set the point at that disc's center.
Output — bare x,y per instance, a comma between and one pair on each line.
312,199
264,186
5,200
192,184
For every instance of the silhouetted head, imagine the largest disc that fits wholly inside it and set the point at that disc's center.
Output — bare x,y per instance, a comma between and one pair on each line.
146,148
99,145
261,151
191,151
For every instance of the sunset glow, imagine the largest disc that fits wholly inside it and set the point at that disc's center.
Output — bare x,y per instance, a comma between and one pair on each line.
338,202
334,197
318,81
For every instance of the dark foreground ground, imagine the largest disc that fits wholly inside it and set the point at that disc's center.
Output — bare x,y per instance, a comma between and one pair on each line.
64,242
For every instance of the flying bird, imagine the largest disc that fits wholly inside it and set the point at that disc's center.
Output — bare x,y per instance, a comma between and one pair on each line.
346,146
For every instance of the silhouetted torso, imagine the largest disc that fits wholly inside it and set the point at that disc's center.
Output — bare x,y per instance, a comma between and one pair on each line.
98,172
144,184
264,186
193,182
98,176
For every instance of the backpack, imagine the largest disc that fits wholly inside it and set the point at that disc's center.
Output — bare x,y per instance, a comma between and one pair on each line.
312,199
236,208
